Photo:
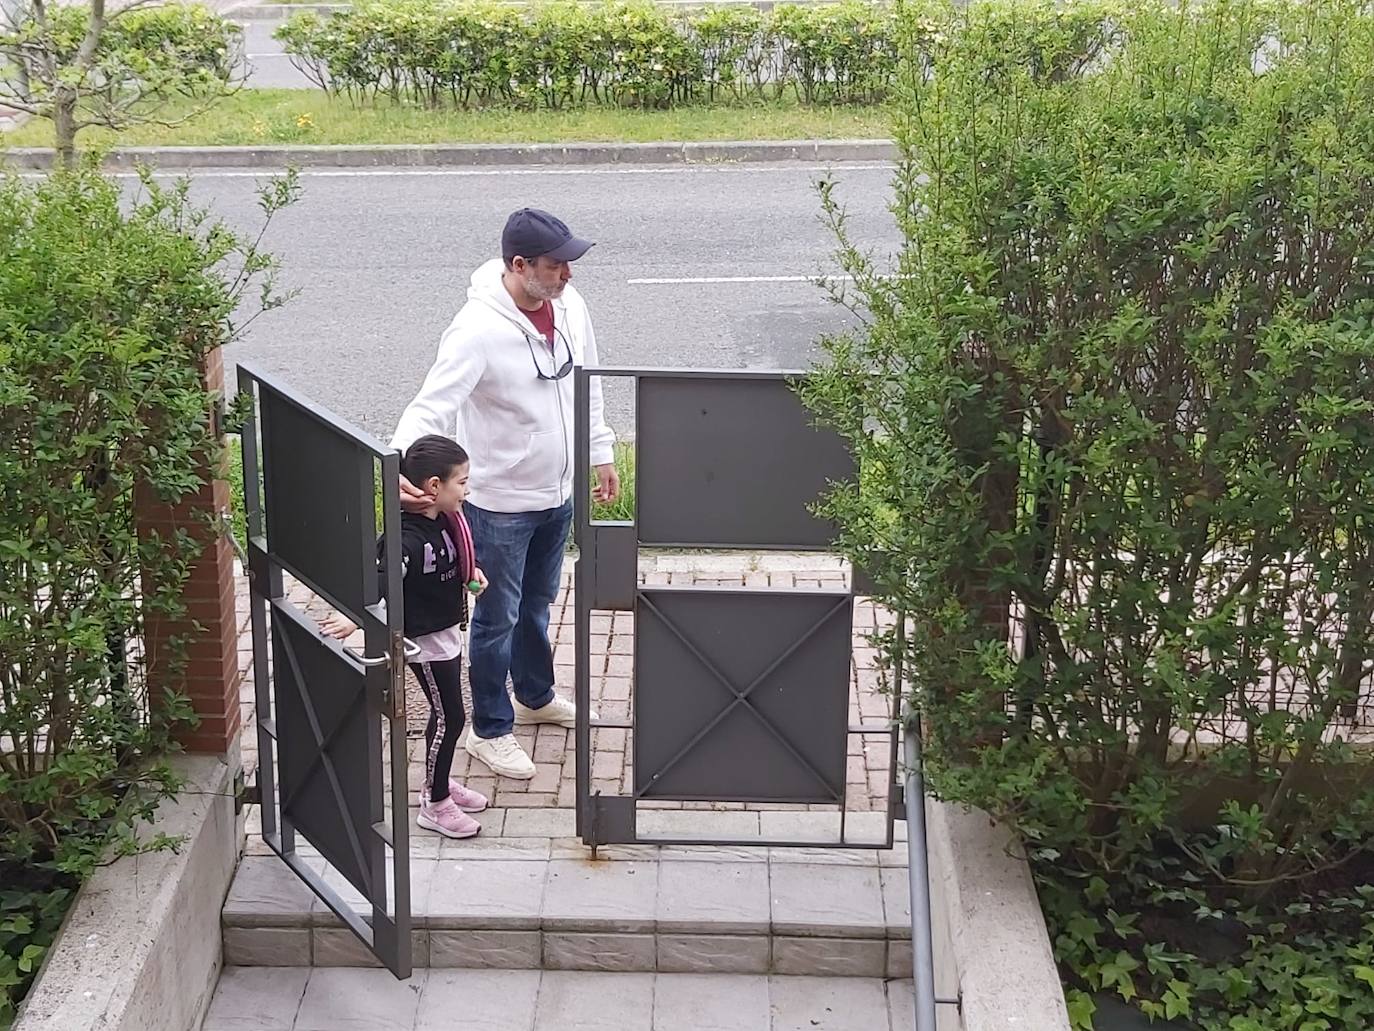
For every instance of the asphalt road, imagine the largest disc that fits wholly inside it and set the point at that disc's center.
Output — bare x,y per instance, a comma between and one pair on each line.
268,67
701,266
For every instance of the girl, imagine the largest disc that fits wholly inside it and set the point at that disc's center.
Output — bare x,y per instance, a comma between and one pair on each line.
437,565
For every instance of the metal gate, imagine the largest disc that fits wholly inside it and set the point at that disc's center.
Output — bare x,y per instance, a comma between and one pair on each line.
330,719
738,694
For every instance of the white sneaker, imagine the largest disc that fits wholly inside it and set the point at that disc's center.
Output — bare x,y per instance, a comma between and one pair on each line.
502,754
560,712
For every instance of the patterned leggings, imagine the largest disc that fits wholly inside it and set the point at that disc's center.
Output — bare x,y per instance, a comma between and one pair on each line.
442,684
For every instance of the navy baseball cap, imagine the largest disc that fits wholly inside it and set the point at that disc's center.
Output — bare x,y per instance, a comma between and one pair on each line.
531,233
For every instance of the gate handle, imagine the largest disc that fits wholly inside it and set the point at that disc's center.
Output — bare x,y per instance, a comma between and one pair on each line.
367,660
409,647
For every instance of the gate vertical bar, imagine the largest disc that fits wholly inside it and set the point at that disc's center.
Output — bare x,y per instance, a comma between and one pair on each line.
394,709
582,576
259,597
918,864
378,680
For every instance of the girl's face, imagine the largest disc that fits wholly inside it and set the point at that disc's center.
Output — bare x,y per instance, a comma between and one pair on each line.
449,494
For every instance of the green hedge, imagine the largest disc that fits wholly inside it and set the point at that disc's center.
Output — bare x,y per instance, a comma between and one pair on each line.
564,54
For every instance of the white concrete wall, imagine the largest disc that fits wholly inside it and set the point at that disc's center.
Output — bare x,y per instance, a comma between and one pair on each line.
989,934
140,950
947,1018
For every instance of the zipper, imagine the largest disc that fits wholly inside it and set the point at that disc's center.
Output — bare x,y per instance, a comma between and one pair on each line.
556,384
567,448
562,420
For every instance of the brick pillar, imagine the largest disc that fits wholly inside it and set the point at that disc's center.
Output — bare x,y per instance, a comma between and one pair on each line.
211,674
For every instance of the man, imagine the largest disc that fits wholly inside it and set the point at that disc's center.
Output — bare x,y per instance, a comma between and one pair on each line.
502,380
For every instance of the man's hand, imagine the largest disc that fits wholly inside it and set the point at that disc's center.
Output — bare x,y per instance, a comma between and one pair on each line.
607,487
413,499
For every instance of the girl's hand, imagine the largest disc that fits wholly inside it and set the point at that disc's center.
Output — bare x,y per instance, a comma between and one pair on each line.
481,579
337,626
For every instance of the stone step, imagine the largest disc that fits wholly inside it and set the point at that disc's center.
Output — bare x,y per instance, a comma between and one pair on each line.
277,999
552,830
516,905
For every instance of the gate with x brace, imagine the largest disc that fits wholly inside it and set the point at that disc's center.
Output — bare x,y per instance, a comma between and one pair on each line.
330,719
739,694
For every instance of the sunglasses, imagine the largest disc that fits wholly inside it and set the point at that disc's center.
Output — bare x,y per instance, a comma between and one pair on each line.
564,369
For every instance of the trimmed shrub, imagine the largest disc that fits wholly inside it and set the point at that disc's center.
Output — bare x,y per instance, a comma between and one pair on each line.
634,53
107,310
1114,403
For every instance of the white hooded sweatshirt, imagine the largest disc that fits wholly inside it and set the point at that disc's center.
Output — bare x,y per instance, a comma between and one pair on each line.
483,390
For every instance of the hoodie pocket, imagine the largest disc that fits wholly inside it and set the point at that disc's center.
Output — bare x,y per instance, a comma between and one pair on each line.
536,466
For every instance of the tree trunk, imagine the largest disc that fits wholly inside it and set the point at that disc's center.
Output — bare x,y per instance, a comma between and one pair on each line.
64,130
976,431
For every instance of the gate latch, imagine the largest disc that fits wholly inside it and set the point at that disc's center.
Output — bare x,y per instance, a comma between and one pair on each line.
403,650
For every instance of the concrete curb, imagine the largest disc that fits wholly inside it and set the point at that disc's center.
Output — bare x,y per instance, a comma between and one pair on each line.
476,155
280,12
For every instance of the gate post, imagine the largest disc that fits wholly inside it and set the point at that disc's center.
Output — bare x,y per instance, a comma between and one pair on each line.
210,677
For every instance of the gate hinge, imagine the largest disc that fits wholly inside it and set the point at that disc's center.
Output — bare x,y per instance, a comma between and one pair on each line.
245,794
219,410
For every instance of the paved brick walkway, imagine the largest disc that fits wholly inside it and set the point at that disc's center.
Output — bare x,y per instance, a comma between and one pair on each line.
612,655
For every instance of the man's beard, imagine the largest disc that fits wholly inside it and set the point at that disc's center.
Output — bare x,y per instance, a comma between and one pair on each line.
539,291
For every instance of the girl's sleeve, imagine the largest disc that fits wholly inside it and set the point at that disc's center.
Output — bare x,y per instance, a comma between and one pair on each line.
408,548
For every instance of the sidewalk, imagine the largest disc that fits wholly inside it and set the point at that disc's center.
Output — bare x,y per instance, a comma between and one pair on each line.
553,786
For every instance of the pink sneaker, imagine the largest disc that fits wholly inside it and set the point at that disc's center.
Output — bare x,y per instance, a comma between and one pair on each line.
447,819
467,800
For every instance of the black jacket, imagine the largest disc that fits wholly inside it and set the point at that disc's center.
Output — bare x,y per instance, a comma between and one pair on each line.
435,568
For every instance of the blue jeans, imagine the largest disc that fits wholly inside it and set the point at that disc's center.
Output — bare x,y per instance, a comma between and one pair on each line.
522,555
